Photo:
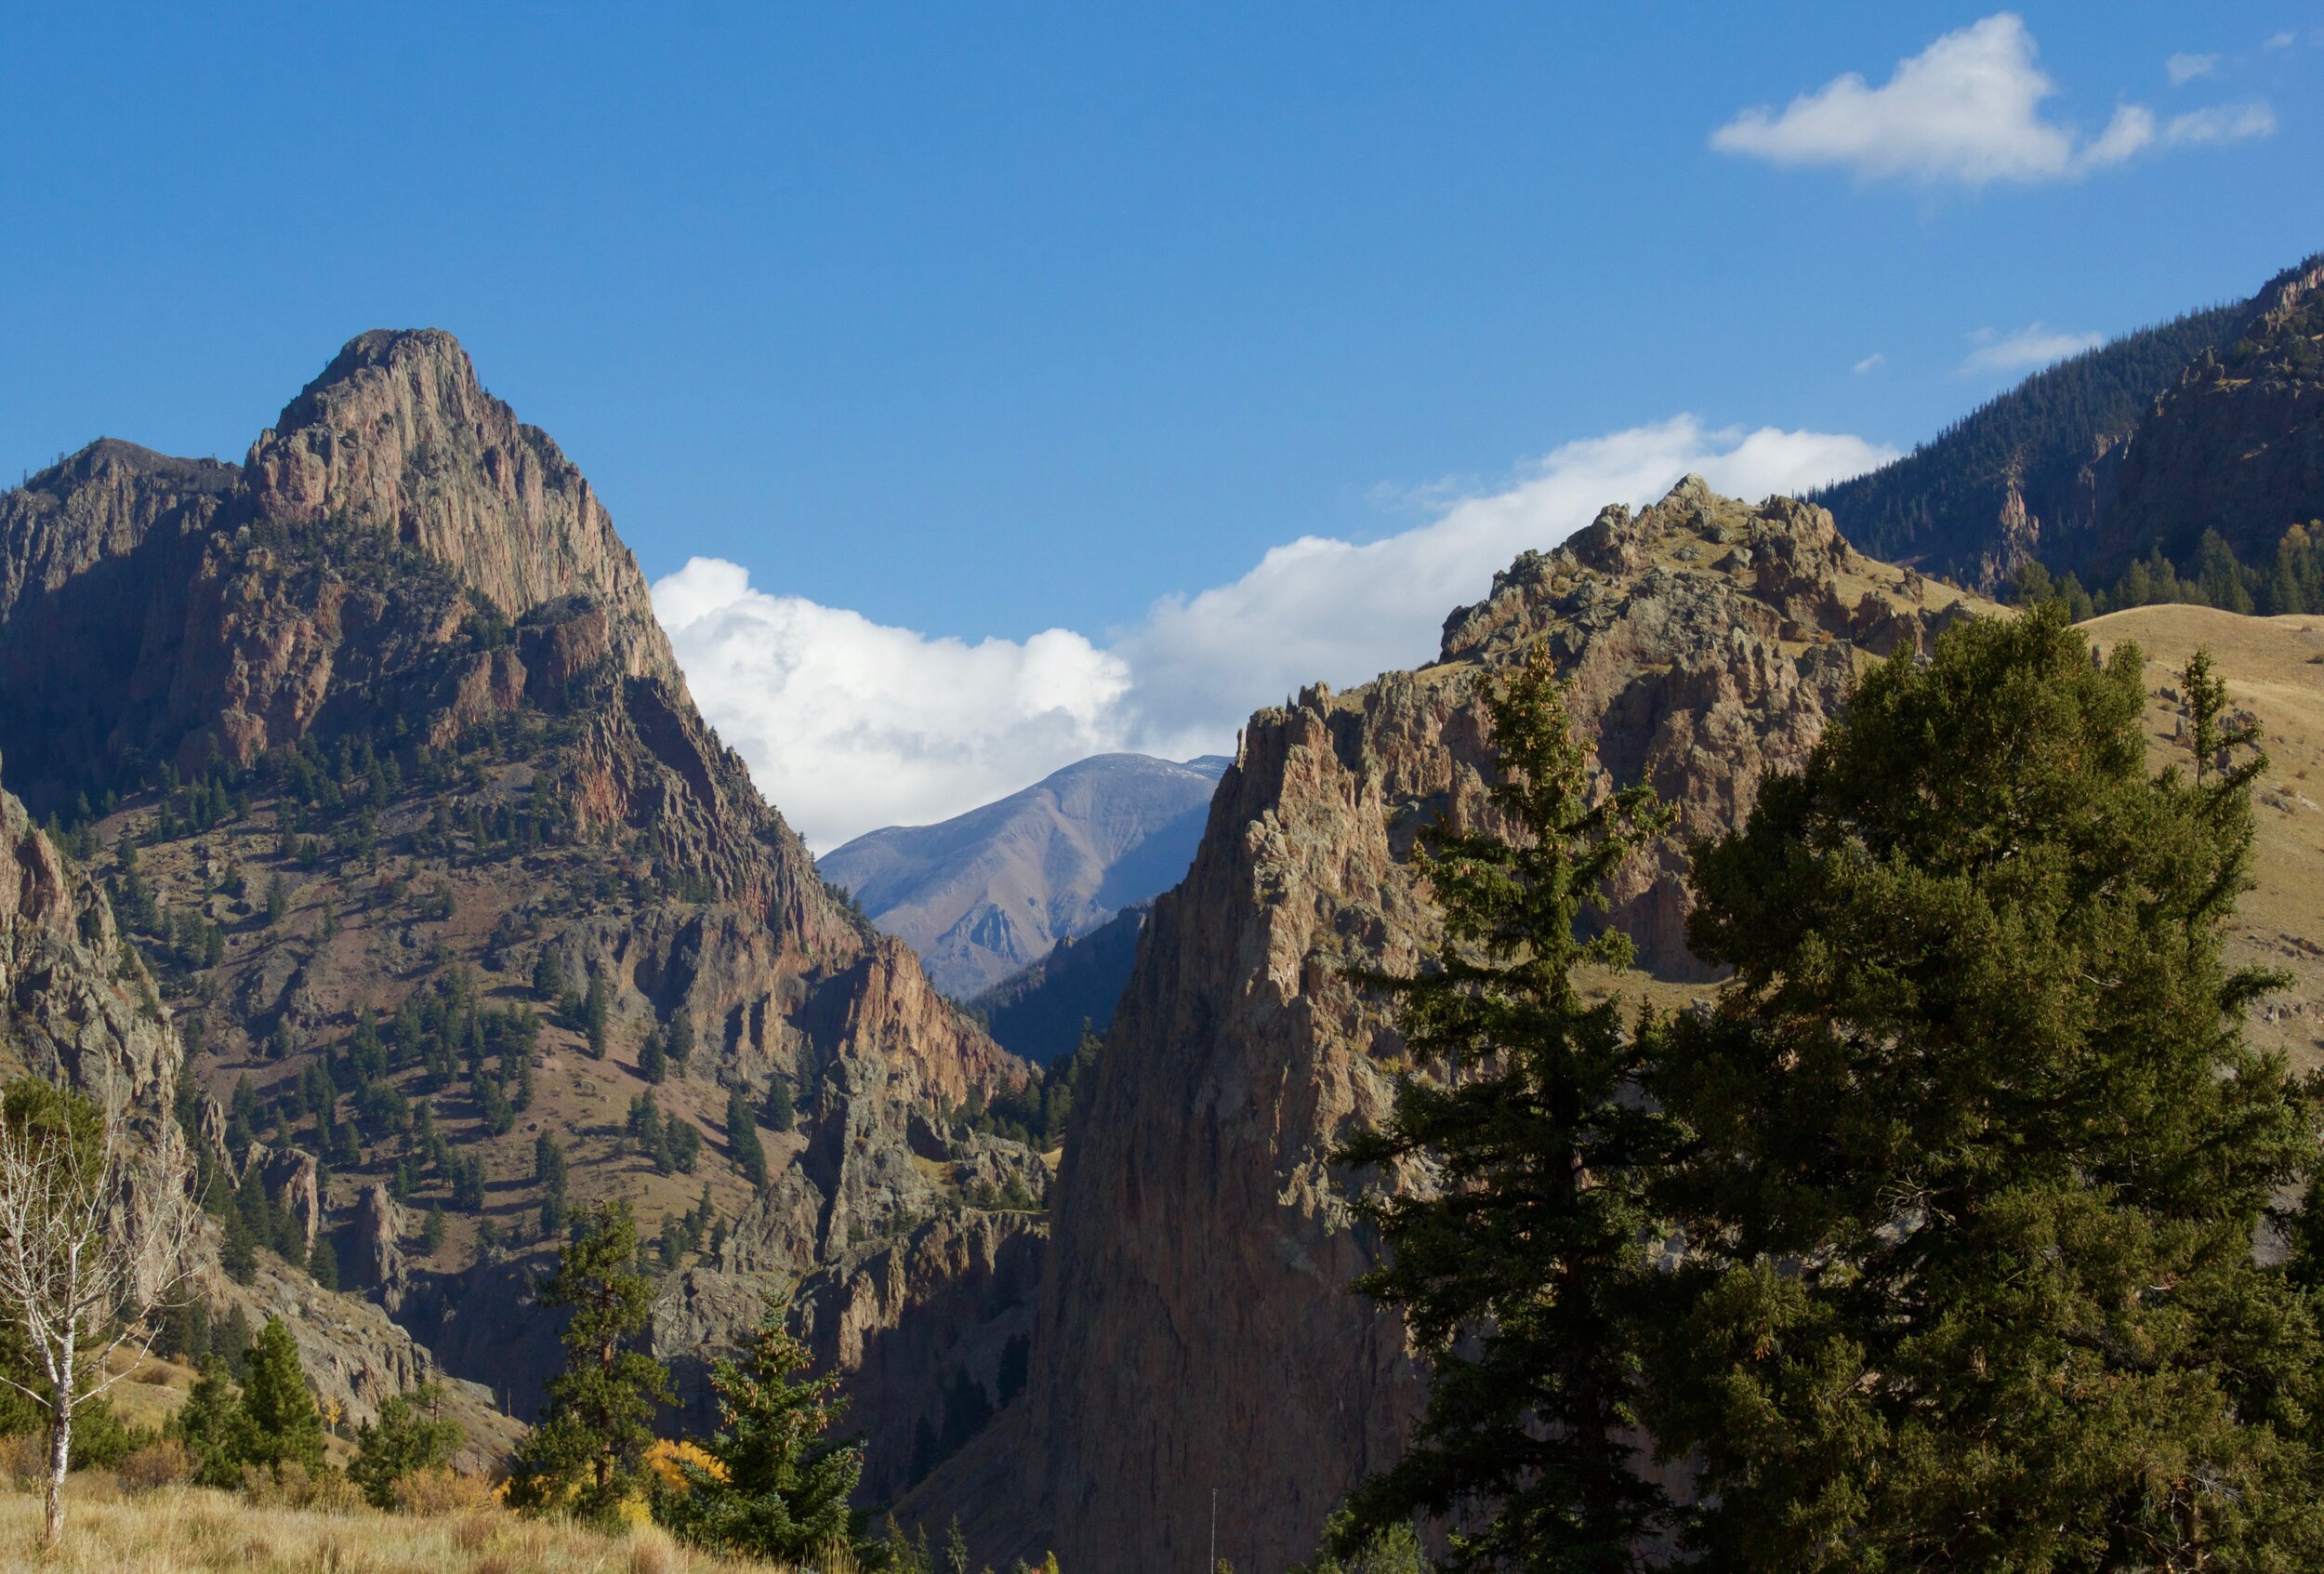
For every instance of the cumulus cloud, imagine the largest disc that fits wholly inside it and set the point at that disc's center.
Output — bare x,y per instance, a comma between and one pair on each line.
849,725
2184,68
2034,344
1966,111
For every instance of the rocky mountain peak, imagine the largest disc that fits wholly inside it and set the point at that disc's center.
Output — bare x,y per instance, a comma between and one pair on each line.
398,434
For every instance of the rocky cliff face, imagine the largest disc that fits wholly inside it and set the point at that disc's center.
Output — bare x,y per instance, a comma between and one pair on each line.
2238,443
387,719
1195,1328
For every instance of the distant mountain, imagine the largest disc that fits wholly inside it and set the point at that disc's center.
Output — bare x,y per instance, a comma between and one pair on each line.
1040,1011
984,894
2210,422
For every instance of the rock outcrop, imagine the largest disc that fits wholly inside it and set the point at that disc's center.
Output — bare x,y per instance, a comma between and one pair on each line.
1195,1329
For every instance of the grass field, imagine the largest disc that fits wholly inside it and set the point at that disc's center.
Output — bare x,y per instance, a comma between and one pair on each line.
180,1530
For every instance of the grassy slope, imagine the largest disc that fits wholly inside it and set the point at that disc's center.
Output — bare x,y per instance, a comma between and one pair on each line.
179,1531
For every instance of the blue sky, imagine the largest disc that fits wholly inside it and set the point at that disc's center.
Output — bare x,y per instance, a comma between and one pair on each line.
980,322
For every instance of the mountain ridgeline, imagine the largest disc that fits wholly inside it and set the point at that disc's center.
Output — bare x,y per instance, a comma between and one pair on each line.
463,917
988,892
2213,421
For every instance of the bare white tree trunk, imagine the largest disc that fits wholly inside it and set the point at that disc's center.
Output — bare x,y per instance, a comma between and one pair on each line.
60,1447
94,1235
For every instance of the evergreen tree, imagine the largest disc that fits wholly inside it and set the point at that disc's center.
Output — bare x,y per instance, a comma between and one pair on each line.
778,1111
548,1169
238,1253
277,898
548,974
1980,1150
322,1261
212,1426
284,1425
1535,1237
2221,575
653,1061
411,1433
681,1040
594,1009
588,1451
742,1137
781,1485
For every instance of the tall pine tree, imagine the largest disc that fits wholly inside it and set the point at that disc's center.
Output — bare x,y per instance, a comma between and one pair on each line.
1519,1275
1980,1151
588,1452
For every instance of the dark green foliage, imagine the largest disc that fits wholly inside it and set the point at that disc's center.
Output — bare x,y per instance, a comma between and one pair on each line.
1979,1150
271,1423
652,1060
281,1424
594,1009
742,1137
547,975
681,1040
672,1142
212,1425
587,1453
776,1110
2294,583
1521,1280
277,898
411,1433
1036,1113
548,1169
230,1337
782,1492
322,1261
238,1253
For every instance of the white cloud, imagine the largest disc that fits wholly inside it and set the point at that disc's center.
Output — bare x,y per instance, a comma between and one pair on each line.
1967,111
848,726
2228,123
2280,41
2031,346
1870,362
2184,68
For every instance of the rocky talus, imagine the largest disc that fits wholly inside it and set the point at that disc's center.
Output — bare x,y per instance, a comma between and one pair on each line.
385,716
1195,1329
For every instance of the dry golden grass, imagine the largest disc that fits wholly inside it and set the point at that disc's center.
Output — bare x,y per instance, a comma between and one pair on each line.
181,1530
